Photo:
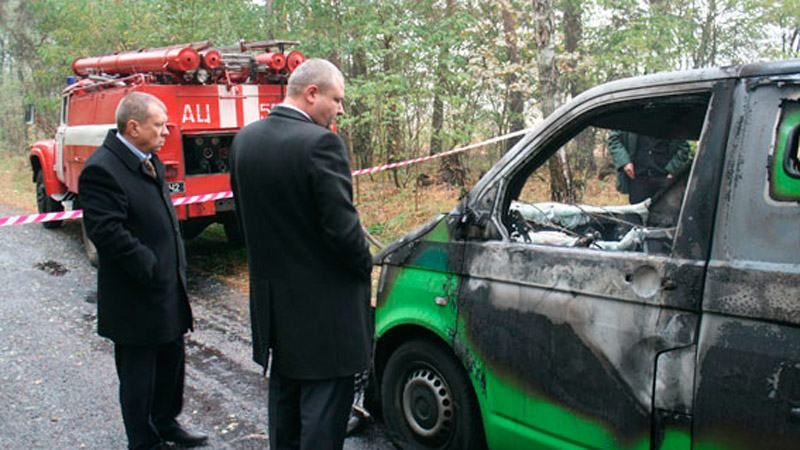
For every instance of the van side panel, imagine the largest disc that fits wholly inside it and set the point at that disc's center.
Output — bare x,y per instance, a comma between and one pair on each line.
748,372
570,358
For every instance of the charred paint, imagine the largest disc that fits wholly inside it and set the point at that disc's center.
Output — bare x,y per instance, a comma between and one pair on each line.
564,361
430,247
609,275
427,248
420,281
748,386
674,382
672,431
749,345
767,291
386,283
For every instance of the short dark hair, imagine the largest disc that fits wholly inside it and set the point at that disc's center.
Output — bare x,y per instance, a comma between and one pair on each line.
313,71
135,106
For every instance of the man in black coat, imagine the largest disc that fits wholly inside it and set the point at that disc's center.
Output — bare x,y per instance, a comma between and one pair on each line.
309,261
142,304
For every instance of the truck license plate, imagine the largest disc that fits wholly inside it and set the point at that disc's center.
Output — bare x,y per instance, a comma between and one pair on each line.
176,187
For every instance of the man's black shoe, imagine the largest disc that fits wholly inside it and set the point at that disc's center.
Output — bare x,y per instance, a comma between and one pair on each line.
184,438
162,446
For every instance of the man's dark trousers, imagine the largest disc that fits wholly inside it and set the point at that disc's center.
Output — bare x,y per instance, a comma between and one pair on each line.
644,186
326,407
150,389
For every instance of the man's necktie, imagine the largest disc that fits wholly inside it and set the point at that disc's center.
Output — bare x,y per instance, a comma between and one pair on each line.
149,168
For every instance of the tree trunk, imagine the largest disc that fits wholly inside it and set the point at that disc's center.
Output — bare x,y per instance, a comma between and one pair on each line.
437,121
561,188
790,42
437,114
2,58
361,130
269,12
451,169
394,135
583,155
515,102
706,51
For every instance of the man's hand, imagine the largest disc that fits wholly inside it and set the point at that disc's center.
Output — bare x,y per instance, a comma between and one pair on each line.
628,169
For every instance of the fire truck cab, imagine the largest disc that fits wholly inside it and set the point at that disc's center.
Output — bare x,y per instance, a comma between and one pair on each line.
209,94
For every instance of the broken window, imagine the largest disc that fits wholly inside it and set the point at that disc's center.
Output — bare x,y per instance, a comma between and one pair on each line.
630,166
784,168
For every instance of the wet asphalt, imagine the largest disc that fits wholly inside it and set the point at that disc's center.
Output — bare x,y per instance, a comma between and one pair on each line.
58,386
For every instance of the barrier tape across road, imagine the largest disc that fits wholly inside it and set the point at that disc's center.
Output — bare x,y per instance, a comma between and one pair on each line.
78,213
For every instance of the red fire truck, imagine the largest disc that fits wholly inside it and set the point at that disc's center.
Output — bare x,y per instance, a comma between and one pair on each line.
210,93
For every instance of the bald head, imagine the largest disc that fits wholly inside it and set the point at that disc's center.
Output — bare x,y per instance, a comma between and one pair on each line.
317,72
317,87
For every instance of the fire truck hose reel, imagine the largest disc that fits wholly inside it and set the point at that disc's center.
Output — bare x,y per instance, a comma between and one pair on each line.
163,60
211,59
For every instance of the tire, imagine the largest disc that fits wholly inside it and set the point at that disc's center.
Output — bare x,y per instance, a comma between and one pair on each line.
372,398
88,246
192,228
232,231
428,402
45,204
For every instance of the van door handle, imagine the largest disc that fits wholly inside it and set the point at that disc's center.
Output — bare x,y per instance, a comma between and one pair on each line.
794,415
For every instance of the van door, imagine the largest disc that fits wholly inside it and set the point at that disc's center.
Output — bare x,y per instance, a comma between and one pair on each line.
580,311
748,369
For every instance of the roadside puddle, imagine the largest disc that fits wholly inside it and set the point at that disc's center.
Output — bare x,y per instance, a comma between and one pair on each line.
51,267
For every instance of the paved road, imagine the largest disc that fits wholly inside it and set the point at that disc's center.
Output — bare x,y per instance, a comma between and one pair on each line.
58,387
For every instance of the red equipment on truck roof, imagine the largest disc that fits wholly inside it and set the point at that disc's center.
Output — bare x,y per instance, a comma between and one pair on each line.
166,60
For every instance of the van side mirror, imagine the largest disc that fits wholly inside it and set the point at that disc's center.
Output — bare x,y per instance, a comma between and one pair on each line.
474,225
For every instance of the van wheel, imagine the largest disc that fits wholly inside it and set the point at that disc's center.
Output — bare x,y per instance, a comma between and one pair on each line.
88,246
45,204
428,400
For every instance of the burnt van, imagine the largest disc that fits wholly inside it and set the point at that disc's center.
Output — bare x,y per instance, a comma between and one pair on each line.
517,322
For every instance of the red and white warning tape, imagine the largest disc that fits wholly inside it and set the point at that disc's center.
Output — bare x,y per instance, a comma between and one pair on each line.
39,218
78,213
454,151
201,198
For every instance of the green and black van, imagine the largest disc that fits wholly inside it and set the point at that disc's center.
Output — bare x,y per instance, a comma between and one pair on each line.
519,322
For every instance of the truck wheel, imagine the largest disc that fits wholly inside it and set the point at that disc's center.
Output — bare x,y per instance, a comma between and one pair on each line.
88,246
232,231
45,204
190,229
428,400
